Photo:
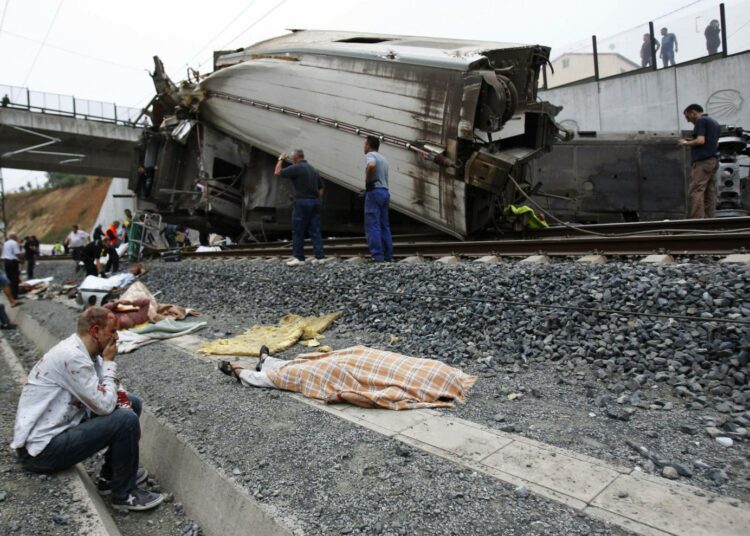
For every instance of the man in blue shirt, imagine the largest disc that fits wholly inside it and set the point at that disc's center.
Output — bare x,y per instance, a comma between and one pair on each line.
703,149
377,199
308,190
668,47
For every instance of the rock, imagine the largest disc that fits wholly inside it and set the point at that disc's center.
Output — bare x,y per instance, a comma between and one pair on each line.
689,430
499,417
617,414
236,471
522,491
3,495
60,519
670,473
622,494
718,476
713,431
725,441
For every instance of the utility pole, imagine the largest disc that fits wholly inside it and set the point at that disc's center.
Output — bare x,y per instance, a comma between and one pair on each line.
3,221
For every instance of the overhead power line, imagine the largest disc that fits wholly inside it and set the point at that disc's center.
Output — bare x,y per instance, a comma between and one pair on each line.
44,41
220,32
5,10
73,52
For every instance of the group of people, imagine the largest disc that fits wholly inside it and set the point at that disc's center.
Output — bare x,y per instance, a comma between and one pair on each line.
88,249
668,46
308,193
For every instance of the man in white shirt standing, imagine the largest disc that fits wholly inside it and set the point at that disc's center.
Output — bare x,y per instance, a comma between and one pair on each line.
12,256
72,406
76,240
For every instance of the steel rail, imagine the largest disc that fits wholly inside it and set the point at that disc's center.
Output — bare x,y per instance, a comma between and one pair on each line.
693,244
711,225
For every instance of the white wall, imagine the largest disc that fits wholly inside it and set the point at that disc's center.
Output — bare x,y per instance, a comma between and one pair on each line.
113,208
654,101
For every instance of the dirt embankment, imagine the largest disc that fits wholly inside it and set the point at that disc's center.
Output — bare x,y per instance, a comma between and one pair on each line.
49,214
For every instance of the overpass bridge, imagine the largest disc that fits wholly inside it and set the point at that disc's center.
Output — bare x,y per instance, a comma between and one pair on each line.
49,132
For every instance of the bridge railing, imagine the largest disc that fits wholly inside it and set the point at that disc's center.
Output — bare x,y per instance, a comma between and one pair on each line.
22,98
687,35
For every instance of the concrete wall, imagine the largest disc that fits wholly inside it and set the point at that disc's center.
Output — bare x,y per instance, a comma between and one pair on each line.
654,101
113,208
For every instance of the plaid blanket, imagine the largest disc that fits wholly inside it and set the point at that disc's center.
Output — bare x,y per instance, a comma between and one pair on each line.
374,378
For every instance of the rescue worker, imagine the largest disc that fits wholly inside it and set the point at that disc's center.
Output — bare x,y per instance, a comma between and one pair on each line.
112,241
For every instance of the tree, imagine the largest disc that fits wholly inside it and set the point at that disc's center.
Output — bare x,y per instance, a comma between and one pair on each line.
63,180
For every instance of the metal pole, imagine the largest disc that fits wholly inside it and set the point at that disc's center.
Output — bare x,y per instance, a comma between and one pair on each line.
723,22
651,44
2,202
544,76
74,105
115,105
596,58
28,99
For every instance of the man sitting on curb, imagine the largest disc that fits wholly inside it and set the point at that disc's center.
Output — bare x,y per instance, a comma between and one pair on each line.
72,407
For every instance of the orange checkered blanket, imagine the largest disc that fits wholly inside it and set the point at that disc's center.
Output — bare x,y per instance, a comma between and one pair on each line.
374,378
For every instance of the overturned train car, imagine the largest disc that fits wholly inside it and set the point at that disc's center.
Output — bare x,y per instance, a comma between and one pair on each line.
456,119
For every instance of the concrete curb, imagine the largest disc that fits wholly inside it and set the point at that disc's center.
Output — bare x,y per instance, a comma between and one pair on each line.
217,504
92,515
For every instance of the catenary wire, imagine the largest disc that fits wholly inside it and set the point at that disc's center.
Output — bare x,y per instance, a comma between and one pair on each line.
44,41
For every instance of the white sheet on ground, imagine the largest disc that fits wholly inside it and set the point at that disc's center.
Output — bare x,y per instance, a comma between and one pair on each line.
201,249
169,328
34,282
129,341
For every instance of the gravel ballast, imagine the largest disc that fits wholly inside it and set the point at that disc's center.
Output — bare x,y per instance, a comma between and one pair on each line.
655,393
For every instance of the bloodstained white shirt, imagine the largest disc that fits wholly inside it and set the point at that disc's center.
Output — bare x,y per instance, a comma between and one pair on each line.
62,386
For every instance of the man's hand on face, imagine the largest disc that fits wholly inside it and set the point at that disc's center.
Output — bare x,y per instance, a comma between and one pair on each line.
110,350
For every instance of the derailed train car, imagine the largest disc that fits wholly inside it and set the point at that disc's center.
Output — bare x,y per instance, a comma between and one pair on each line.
456,119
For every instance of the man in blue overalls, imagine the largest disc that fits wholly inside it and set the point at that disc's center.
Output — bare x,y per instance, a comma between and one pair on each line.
377,198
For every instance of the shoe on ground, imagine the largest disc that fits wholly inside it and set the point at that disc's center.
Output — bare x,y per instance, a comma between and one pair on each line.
323,260
295,262
104,486
8,326
137,500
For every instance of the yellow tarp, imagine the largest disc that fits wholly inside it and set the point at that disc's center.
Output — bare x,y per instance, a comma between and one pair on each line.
278,338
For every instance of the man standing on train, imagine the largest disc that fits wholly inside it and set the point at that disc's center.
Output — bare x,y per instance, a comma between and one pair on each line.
377,198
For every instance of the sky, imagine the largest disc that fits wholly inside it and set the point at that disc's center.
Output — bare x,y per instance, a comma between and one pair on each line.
102,49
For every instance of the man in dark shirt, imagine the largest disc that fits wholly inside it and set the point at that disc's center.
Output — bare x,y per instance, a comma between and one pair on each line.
712,33
647,51
703,149
90,255
308,191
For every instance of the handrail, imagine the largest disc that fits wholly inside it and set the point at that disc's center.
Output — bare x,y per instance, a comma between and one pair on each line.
21,98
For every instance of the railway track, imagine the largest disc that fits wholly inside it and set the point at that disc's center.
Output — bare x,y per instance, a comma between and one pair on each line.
693,237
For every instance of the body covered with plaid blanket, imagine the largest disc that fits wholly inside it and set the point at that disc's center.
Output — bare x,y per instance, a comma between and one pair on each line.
373,378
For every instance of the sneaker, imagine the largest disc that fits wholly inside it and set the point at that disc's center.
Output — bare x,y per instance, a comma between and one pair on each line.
104,486
138,500
295,262
323,260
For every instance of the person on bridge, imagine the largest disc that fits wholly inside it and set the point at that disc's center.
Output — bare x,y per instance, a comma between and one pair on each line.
75,241
703,149
668,47
713,37
308,191
377,200
73,406
647,51
12,256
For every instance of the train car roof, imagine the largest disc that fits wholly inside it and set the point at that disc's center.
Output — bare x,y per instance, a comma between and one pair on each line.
456,54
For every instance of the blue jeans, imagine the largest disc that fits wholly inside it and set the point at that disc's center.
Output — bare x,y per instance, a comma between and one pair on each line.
306,221
120,431
667,58
377,228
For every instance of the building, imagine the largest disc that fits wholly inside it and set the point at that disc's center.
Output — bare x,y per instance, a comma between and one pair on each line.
574,66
